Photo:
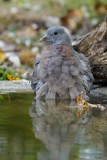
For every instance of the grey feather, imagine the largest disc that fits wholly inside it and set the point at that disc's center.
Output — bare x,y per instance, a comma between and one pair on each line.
61,71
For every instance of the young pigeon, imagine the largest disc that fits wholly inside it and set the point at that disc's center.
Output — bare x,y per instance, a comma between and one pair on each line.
60,71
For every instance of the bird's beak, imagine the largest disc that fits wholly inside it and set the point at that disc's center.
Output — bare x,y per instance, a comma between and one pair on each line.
44,38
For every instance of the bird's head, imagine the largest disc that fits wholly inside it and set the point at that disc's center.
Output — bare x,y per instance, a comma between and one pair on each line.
56,35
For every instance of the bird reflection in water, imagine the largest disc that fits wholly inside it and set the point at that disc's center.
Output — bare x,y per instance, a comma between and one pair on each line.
68,132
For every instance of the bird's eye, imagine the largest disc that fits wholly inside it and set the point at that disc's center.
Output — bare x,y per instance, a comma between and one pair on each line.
55,33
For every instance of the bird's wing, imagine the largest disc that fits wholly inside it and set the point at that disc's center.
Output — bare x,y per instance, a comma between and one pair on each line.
85,71
79,68
35,82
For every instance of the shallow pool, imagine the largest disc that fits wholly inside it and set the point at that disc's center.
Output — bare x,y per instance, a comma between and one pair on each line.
38,130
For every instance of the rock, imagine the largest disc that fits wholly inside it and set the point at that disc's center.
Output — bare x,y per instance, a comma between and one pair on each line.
102,90
98,95
15,86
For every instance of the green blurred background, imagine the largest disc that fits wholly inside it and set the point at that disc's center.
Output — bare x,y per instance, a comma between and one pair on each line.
23,22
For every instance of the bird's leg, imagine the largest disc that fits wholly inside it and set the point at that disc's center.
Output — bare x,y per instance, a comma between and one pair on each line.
82,103
50,95
63,94
82,106
42,91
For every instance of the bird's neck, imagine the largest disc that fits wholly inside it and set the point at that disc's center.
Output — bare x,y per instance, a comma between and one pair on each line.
67,45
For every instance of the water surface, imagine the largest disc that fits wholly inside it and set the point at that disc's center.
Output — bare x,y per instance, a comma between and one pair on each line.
37,130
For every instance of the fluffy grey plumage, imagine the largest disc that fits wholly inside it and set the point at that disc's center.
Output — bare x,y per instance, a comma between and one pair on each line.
60,71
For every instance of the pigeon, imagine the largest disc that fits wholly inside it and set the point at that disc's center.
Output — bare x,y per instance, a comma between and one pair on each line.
60,72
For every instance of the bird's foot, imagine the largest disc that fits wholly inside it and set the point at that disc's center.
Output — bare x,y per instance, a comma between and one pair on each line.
82,103
83,106
50,95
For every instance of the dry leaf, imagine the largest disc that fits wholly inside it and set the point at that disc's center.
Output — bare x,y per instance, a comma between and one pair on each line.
27,57
2,57
72,19
10,77
100,8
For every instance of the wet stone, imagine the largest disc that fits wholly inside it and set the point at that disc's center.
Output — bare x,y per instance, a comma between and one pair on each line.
15,86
